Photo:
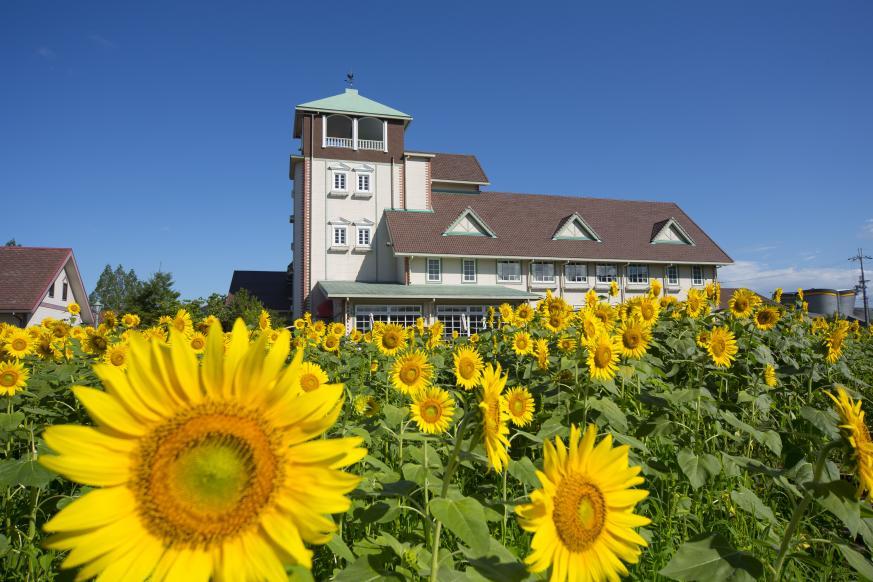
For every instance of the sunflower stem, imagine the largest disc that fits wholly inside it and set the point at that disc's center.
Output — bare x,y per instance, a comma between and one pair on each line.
801,508
447,477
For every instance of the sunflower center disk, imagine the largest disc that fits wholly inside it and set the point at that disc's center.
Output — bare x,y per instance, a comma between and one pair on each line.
717,346
580,512
517,406
117,359
431,412
19,344
390,340
309,382
603,356
205,475
410,374
631,339
466,368
8,379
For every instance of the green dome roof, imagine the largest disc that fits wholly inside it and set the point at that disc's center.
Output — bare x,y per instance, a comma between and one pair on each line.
351,102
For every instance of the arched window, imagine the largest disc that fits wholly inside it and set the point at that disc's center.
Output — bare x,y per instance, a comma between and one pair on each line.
339,131
370,130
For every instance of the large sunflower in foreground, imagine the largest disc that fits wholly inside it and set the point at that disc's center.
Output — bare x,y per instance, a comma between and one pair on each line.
411,372
390,338
722,346
583,519
494,417
468,367
852,418
603,352
201,470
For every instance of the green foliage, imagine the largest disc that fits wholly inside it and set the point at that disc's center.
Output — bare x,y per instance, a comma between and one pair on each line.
154,298
241,305
116,289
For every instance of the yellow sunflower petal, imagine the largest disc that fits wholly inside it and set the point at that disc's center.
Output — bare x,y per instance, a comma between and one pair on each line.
94,509
282,531
107,411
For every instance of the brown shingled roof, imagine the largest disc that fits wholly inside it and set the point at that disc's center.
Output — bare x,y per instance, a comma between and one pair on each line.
525,223
457,168
26,273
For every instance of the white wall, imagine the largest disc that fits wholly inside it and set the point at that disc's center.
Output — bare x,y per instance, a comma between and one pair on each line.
56,307
416,183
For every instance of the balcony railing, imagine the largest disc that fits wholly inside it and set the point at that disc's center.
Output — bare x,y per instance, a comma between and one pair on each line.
338,142
370,144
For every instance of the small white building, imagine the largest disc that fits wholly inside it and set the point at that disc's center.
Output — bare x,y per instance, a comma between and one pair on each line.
36,283
382,233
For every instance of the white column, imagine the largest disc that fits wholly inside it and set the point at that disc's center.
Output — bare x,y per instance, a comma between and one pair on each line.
355,133
323,131
385,136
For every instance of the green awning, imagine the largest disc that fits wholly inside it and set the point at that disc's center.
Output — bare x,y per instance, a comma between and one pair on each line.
385,291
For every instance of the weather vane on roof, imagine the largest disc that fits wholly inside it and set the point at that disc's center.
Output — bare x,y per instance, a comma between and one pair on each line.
350,79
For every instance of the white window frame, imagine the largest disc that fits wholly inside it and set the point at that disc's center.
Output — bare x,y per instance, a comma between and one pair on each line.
515,279
464,263
345,180
366,315
697,281
439,270
369,179
335,229
605,279
540,279
671,281
572,282
635,272
361,230
464,319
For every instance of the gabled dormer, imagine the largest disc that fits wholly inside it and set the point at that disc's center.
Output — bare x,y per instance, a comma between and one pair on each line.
468,223
350,126
574,227
670,232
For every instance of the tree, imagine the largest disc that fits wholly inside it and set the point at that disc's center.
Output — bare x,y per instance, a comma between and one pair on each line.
11,243
241,304
155,297
115,289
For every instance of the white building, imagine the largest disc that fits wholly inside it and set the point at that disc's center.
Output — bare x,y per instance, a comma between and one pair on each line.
384,233
36,283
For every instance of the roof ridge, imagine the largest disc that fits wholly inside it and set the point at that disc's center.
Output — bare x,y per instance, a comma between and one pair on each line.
20,248
579,197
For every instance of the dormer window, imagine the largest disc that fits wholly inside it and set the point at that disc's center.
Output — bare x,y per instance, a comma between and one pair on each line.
468,223
574,227
670,232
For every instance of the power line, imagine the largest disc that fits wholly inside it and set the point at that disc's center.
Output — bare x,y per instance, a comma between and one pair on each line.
862,282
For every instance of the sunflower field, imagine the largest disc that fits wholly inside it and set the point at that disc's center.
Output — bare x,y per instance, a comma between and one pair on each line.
648,439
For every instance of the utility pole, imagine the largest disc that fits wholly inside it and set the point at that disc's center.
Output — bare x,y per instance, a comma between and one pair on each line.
862,282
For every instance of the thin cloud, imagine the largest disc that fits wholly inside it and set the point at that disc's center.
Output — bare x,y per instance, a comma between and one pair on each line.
102,41
867,228
46,53
763,278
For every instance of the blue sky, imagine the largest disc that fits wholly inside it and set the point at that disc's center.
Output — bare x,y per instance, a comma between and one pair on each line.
157,134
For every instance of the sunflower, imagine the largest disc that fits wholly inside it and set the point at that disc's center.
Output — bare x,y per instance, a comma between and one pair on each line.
800,293
130,320
556,321
648,309
566,344
356,336
613,289
213,471
411,372
432,410
520,406
603,352
541,350
583,519
694,303
524,314
197,342
777,295
181,322
507,314
655,287
834,343
331,343
522,344
74,308
116,355
819,324
264,321
635,337
722,346
19,343
606,314
589,324
367,405
591,298
766,318
702,339
852,418
299,323
668,301
95,342
311,377
743,302
390,338
494,417
770,376
468,367
13,377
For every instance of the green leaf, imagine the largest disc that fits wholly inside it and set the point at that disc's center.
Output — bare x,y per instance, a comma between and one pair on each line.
466,519
696,468
499,564
611,412
339,547
826,423
10,422
4,545
366,569
524,471
751,503
857,561
768,438
709,558
24,472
